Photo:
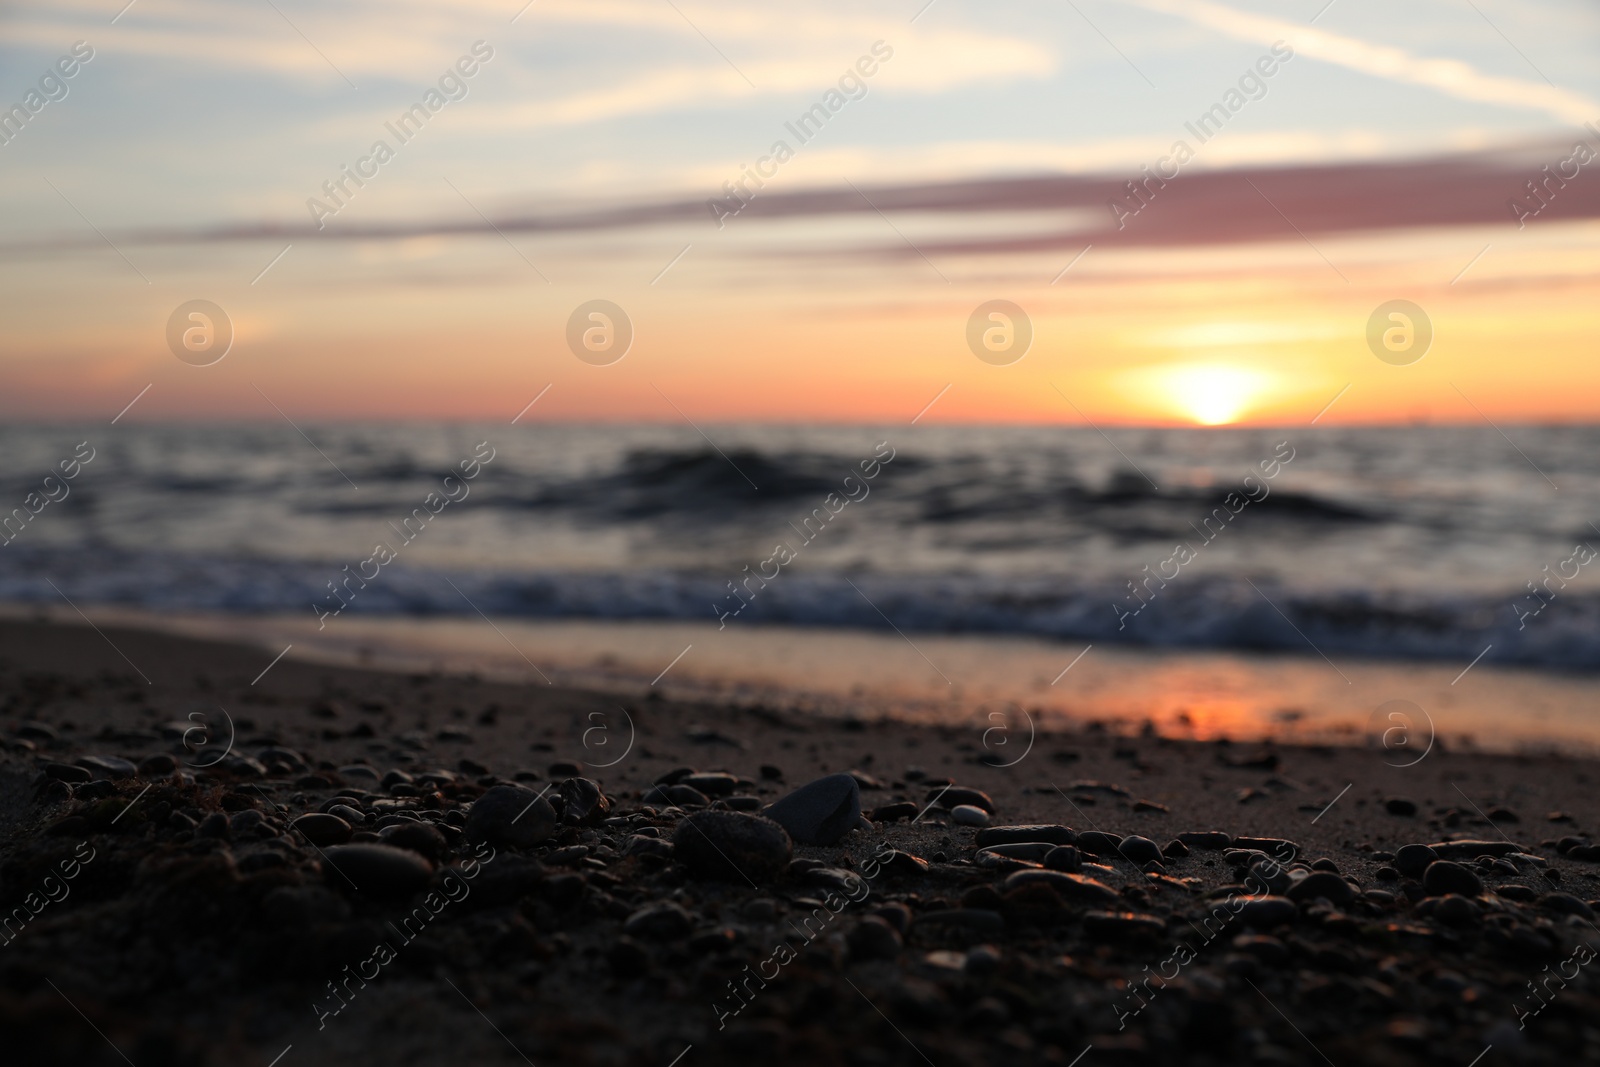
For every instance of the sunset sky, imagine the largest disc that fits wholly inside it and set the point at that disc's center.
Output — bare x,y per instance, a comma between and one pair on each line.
975,162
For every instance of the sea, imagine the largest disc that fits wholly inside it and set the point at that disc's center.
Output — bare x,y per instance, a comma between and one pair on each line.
1215,581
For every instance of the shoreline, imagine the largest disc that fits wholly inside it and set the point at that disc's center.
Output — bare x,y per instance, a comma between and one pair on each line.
603,944
1044,686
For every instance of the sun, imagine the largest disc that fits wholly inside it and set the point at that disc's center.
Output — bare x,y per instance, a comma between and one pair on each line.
1209,394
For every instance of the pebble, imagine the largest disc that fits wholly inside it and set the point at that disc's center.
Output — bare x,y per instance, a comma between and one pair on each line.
1214,840
420,838
1278,848
1457,850
1111,925
1265,948
1032,851
819,812
978,920
352,815
1063,858
511,815
1008,835
110,766
1075,887
377,870
1322,884
969,815
1097,843
955,795
1174,850
1400,806
1139,850
1267,911
1566,904
732,846
712,784
1412,860
158,766
903,863
245,822
662,921
1443,876
982,960
67,772
873,938
1271,875
582,801
213,825
1456,910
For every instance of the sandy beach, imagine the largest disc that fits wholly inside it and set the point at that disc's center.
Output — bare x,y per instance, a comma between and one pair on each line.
205,921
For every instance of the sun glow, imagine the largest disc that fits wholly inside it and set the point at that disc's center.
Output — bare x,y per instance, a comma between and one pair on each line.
1210,394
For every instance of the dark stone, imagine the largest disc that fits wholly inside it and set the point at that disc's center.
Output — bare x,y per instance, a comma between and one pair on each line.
1266,912
1140,850
1063,858
1268,950
1564,904
771,773
639,845
903,863
820,812
67,772
419,837
1175,850
213,825
109,766
709,942
873,938
1466,850
978,920
1412,860
741,802
1279,849
732,846
1074,887
628,958
661,922
582,801
1400,806
894,812
246,821
1033,851
1097,843
1008,835
1215,840
1456,910
377,870
158,766
1443,876
955,795
1324,884
1122,925
511,815
712,784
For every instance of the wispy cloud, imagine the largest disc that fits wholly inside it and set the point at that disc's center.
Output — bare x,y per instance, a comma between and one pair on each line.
1449,76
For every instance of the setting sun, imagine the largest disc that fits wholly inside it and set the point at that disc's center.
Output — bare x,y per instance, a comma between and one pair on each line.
1210,394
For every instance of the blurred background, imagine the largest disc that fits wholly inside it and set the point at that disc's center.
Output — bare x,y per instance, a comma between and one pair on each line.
1202,217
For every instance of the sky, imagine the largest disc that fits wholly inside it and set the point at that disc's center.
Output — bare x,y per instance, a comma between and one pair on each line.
935,158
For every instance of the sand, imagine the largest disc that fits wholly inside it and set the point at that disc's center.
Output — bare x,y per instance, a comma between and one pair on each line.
163,945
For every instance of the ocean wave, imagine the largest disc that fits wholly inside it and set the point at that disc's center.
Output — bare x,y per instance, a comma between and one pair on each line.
1212,613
